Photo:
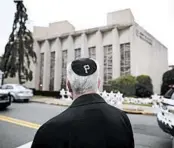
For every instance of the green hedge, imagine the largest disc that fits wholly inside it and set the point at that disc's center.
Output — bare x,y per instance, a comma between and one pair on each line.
124,84
131,86
55,94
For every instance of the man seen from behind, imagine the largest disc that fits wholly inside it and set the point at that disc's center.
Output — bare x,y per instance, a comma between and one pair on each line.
89,122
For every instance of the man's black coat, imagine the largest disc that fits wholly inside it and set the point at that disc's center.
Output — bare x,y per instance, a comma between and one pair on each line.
88,123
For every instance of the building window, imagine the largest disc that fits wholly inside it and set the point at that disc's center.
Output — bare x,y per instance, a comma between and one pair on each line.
92,52
52,70
41,71
64,66
77,53
125,59
107,64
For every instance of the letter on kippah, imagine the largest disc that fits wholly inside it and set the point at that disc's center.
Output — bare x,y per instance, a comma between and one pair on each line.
86,67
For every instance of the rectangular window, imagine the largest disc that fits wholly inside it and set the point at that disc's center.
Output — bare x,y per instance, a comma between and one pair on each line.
125,59
52,70
107,64
92,52
64,66
77,53
41,70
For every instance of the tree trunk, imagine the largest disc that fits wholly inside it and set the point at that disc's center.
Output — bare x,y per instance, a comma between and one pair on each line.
19,76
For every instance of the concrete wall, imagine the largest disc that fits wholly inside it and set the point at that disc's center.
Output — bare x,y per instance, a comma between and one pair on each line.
91,40
64,43
39,32
58,28
83,41
145,58
77,41
53,29
125,35
107,38
148,56
122,17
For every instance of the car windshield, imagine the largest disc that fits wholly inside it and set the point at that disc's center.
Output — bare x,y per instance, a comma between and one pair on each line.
169,93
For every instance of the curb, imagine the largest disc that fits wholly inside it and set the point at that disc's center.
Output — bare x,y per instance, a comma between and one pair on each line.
132,111
49,103
149,113
125,110
138,112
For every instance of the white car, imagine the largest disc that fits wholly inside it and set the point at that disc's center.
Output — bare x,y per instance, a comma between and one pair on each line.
18,92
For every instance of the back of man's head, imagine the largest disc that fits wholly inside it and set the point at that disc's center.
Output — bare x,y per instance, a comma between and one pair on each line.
83,76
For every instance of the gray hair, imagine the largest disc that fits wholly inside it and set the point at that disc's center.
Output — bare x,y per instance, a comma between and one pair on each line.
83,84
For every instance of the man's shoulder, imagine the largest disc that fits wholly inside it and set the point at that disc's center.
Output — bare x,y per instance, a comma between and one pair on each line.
116,110
51,130
57,121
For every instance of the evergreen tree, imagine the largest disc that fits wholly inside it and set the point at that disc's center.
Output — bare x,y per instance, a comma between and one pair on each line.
19,49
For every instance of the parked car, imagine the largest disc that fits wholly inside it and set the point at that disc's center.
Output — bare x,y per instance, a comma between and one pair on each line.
170,94
5,99
166,112
168,100
18,92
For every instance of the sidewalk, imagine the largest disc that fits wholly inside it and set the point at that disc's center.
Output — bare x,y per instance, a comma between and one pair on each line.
134,109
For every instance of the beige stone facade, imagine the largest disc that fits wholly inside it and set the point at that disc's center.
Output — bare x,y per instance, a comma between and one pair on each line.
121,47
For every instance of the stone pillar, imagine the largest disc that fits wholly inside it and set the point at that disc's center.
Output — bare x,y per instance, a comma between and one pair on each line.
70,49
100,56
84,46
46,74
115,54
36,67
133,58
58,65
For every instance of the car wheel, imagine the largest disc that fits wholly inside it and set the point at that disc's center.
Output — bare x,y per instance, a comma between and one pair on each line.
26,100
12,99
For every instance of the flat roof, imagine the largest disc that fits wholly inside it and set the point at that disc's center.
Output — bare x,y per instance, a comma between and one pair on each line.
93,30
86,31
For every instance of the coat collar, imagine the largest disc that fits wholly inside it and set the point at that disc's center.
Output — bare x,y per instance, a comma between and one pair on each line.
87,99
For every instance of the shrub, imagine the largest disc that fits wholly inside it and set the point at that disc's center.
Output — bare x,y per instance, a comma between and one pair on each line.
167,80
124,84
144,87
107,88
55,94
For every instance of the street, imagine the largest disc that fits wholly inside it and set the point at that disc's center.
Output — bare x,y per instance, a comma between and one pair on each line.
19,123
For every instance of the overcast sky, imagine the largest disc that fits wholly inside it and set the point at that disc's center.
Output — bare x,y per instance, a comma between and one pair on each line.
156,16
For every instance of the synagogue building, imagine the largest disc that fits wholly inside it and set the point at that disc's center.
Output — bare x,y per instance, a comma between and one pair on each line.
122,47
